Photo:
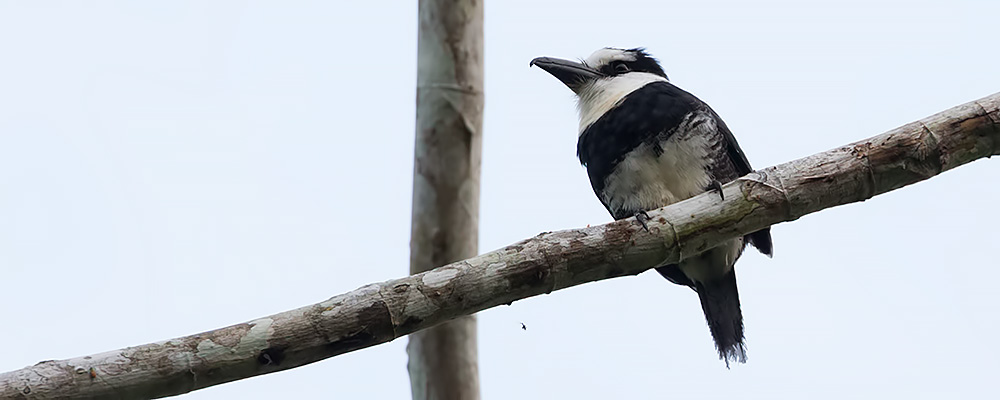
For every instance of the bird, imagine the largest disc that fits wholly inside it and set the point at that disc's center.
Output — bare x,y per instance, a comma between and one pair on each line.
645,144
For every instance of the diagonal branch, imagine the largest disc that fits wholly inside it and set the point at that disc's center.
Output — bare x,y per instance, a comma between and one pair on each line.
381,312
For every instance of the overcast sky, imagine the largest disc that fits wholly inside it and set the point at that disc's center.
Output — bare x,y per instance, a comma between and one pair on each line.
168,168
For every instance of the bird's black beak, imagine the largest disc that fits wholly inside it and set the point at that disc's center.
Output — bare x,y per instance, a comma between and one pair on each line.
571,73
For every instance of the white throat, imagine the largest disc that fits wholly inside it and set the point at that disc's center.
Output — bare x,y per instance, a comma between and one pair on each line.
598,97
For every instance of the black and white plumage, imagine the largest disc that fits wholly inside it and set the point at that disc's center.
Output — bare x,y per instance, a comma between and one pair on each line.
647,144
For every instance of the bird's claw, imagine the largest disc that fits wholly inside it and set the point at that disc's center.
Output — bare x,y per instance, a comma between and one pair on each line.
642,217
716,186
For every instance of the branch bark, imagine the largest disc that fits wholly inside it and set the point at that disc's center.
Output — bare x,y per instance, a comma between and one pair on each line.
447,157
381,312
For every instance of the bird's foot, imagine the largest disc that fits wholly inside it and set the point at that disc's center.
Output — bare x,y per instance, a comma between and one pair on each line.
642,217
716,186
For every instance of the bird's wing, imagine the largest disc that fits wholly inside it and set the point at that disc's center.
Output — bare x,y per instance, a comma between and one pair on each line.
733,149
760,239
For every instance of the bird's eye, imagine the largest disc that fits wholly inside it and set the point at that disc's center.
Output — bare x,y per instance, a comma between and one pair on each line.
621,68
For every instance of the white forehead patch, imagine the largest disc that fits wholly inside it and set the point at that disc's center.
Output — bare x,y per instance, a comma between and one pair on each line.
606,55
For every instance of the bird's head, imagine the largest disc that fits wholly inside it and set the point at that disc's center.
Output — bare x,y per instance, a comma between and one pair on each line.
603,79
605,64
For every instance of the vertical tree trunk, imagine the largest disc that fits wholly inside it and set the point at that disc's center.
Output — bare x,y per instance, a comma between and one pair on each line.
447,157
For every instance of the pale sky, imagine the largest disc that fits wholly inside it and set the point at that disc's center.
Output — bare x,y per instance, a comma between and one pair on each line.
168,168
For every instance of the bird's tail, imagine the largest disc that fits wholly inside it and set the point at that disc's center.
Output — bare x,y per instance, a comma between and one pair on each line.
721,302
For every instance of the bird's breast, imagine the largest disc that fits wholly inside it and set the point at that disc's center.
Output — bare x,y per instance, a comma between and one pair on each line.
654,175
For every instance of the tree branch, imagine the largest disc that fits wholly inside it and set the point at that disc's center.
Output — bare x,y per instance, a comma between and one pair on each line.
379,313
